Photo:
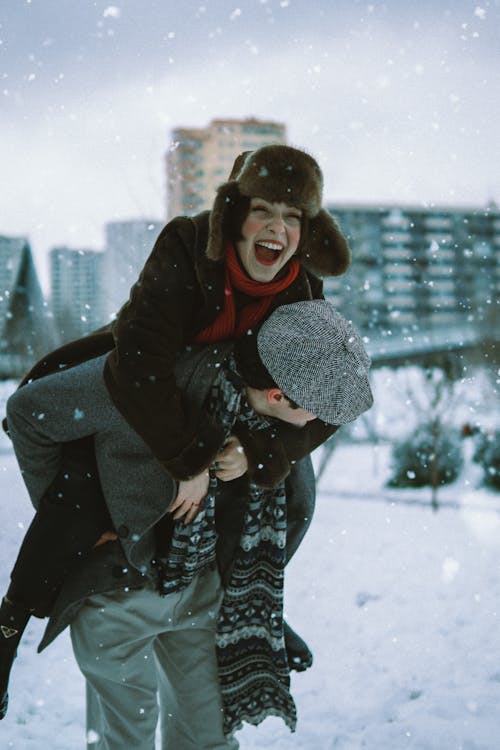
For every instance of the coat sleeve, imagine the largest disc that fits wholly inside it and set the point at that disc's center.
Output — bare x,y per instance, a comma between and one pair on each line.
53,410
300,442
271,452
151,329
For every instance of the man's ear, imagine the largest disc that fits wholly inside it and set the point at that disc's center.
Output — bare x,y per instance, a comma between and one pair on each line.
275,396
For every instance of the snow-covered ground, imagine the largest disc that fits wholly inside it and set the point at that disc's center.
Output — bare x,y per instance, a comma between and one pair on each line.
399,604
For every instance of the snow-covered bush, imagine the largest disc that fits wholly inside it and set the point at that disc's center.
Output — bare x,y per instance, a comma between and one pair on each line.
487,455
431,456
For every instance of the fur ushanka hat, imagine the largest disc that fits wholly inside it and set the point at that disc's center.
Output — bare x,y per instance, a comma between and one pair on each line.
282,174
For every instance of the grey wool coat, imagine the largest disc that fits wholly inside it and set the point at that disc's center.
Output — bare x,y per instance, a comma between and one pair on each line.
73,404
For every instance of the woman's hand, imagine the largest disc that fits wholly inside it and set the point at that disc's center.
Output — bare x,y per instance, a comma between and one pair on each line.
189,497
231,462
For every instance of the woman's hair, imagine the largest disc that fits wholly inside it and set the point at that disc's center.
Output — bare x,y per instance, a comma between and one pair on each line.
233,219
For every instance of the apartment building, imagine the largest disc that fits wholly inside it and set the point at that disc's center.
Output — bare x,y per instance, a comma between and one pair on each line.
76,281
200,159
414,266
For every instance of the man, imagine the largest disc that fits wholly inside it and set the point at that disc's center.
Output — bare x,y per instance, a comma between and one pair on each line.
128,640
209,278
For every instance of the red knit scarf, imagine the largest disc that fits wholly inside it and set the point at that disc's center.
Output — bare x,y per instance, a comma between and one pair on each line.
232,324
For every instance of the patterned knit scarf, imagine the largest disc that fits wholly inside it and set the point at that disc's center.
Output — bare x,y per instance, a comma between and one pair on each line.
253,668
232,324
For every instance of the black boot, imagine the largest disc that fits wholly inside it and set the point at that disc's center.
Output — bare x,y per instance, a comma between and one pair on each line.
13,620
300,657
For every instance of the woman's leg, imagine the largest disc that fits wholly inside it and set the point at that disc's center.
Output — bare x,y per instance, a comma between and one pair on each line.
300,488
71,518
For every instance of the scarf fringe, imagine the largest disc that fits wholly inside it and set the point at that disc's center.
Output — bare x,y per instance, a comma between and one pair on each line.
255,717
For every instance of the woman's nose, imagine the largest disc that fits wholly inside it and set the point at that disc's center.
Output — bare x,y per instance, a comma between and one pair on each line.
277,224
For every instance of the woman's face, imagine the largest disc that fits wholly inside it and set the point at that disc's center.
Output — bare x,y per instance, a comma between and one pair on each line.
270,235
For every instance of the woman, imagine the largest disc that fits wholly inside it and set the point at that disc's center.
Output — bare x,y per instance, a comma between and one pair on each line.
213,277
209,278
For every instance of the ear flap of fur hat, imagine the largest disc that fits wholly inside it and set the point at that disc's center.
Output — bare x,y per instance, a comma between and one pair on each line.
227,196
238,165
325,251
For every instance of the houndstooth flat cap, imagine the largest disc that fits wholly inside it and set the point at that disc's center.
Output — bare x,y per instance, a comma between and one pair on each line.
318,360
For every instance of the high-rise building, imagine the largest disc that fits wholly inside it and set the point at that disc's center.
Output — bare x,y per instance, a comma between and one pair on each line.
128,244
418,267
199,160
76,278
26,331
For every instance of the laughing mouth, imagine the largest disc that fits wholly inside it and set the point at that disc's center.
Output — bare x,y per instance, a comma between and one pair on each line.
268,252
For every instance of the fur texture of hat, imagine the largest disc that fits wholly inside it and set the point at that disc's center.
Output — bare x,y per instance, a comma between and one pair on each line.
282,174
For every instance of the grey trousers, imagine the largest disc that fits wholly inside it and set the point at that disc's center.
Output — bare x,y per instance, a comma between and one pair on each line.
137,650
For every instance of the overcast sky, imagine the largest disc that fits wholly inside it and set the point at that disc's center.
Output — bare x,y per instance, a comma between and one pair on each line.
399,101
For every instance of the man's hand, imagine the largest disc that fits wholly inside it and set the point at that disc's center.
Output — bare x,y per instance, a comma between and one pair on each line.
189,497
231,462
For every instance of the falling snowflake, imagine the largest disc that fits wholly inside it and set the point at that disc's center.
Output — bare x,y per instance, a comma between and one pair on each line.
112,11
450,569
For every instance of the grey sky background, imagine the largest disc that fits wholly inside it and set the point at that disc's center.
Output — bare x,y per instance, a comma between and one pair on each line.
399,101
